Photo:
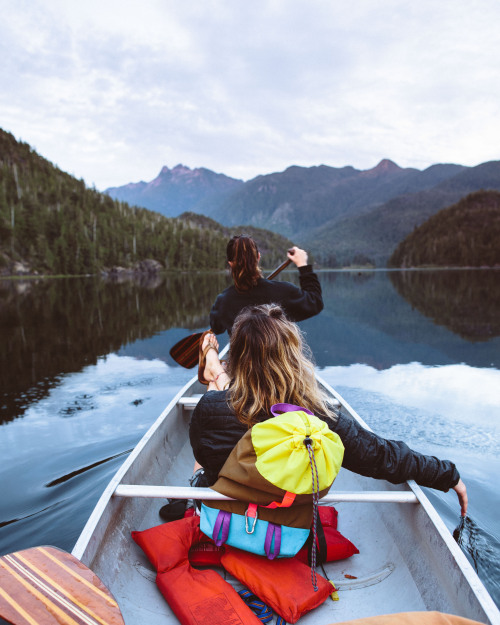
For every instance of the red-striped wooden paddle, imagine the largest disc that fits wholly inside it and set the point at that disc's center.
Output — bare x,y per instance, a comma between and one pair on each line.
186,351
48,586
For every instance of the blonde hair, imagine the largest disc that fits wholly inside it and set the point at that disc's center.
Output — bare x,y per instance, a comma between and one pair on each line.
269,363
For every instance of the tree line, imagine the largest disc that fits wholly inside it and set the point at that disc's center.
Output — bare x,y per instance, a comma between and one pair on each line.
53,224
463,235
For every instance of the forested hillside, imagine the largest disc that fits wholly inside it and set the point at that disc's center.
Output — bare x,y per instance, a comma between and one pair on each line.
51,223
373,237
301,199
466,234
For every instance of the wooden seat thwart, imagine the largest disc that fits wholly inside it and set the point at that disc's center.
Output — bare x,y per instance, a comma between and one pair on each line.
45,585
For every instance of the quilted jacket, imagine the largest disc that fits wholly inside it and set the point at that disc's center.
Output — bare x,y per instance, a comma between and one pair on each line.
214,431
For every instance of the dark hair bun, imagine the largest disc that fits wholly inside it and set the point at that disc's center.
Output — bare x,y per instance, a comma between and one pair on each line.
276,312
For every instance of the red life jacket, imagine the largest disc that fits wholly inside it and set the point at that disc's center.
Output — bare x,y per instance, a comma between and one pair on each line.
195,596
203,597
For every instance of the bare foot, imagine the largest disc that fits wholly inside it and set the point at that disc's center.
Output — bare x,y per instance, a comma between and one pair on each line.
212,362
214,371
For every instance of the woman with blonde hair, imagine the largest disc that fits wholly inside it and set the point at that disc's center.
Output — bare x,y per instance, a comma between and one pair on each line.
269,363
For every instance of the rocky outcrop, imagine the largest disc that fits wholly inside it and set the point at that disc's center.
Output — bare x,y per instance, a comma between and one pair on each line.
143,269
10,267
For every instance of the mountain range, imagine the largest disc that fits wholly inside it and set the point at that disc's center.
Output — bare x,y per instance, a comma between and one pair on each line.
176,191
344,215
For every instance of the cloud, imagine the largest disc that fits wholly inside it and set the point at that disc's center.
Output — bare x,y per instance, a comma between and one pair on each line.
111,91
468,394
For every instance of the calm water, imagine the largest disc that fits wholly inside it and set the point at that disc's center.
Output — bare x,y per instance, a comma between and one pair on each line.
85,370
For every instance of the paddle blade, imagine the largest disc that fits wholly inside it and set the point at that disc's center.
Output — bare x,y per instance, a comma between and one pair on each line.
186,351
50,586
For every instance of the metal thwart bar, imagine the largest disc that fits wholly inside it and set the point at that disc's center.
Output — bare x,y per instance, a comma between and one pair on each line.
186,492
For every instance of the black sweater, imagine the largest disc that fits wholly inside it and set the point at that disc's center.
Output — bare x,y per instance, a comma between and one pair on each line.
298,304
214,431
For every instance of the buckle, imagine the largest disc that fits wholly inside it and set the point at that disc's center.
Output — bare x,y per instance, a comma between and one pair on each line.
250,531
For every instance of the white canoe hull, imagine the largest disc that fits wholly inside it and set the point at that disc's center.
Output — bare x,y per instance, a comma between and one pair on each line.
408,560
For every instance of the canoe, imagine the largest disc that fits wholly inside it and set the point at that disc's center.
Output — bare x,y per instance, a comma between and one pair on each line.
407,561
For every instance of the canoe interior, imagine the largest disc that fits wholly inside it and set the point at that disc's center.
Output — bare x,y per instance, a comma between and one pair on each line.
403,564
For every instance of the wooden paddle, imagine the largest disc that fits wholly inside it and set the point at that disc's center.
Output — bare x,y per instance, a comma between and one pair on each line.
48,586
186,351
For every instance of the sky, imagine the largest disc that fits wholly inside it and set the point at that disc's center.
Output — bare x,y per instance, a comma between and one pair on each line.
111,91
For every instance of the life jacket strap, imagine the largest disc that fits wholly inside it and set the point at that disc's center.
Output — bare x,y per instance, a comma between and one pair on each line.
261,610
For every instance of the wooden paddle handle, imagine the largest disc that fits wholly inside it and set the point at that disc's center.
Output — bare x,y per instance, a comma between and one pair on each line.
279,269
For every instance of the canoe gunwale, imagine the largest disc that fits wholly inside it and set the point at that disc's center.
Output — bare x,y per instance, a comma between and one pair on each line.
478,588
85,537
114,503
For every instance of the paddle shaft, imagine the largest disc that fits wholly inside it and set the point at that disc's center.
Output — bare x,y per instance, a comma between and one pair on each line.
279,269
185,351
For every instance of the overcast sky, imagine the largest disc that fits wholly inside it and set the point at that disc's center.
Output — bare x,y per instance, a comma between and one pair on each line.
112,90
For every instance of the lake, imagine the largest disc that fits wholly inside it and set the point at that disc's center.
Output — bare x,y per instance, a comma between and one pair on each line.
85,370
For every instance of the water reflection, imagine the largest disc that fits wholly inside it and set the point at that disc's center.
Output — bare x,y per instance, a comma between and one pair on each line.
376,328
51,327
466,302
367,320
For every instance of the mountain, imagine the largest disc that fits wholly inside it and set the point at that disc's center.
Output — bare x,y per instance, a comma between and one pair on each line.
178,190
293,202
343,215
299,199
372,237
463,235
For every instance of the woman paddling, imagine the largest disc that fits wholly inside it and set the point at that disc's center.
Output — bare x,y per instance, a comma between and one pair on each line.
268,365
250,288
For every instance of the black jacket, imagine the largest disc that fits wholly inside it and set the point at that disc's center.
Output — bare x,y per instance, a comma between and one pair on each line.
214,431
298,304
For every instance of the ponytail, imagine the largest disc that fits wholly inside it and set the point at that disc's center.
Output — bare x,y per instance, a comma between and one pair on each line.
243,254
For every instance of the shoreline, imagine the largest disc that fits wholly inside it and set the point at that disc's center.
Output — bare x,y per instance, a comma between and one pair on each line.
136,274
